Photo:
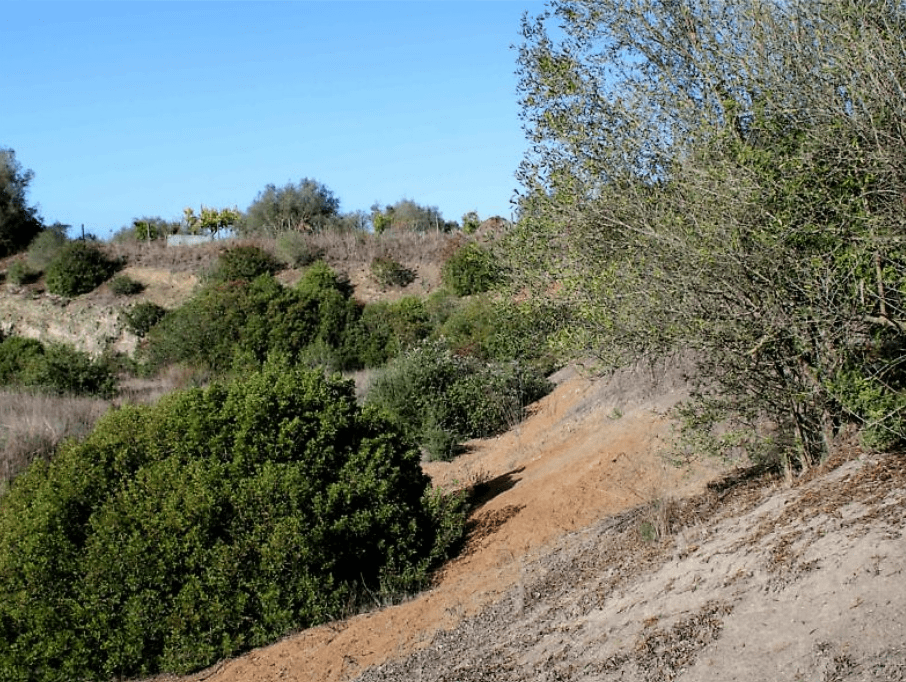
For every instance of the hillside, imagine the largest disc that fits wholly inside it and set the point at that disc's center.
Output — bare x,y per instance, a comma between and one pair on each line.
588,556
590,559
92,323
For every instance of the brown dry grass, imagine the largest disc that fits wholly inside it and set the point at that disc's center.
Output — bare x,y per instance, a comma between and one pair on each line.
339,249
33,425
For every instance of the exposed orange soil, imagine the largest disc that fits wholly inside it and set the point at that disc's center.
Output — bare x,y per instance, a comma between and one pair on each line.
589,449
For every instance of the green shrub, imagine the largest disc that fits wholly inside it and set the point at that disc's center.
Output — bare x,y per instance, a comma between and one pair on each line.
45,247
123,285
54,368
877,406
210,523
472,269
142,316
243,262
444,399
16,353
385,329
494,328
79,267
296,250
20,274
246,321
388,273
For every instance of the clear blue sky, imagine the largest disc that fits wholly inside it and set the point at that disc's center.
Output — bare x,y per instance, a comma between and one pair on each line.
130,109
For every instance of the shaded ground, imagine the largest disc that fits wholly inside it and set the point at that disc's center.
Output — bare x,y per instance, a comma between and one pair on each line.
591,560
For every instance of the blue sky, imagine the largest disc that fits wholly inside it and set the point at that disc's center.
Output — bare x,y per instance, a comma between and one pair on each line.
130,109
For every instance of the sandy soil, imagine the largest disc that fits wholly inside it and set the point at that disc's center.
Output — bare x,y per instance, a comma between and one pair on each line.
591,559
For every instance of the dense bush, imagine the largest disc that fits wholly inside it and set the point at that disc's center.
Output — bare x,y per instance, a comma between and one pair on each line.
123,285
296,250
142,316
243,262
212,522
497,329
45,247
389,273
472,269
385,329
19,273
55,368
246,321
79,267
444,399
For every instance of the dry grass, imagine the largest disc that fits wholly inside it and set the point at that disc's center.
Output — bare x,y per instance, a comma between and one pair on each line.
147,391
340,249
33,425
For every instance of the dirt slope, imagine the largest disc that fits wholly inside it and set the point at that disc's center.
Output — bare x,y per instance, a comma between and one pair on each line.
562,578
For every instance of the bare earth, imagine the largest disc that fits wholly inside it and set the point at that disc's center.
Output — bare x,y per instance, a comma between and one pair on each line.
591,559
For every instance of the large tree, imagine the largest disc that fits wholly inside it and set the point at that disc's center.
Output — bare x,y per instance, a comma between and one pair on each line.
727,177
308,206
19,222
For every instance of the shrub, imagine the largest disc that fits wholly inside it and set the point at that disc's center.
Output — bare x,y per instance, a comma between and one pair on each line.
16,353
79,267
386,329
444,399
242,321
45,247
388,273
54,368
20,274
142,316
123,285
472,269
243,262
296,250
67,371
212,522
495,328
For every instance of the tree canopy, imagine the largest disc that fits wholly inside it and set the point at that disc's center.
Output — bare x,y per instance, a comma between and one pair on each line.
19,222
727,178
308,206
406,214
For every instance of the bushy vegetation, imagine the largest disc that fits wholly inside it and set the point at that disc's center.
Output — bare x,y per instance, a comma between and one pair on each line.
123,285
306,206
727,181
79,267
19,222
296,250
444,399
215,521
141,317
494,328
243,262
389,273
45,247
385,329
20,273
55,368
471,269
246,321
